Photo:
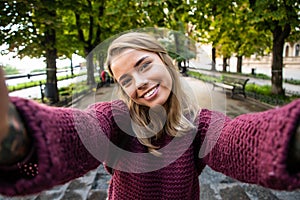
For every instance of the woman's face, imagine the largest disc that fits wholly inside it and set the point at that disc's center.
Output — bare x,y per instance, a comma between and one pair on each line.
143,76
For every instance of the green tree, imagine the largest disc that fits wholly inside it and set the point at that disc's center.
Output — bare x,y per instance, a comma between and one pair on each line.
204,14
280,18
94,21
176,15
180,47
30,28
239,37
10,70
226,27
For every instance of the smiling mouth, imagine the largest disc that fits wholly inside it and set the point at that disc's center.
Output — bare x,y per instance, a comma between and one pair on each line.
150,93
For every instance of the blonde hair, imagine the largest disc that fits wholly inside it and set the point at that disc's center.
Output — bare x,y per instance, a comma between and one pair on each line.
181,111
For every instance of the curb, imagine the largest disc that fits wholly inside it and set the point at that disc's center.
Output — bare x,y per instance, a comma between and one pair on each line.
267,106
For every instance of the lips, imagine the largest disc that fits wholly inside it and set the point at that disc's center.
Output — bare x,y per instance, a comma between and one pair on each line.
150,93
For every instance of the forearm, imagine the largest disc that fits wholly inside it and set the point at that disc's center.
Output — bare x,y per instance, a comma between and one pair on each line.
261,148
56,154
14,142
294,152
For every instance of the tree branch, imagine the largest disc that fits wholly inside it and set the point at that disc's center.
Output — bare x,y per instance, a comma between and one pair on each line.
79,30
91,24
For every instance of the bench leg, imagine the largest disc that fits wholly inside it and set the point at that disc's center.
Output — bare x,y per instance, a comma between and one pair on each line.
232,94
214,86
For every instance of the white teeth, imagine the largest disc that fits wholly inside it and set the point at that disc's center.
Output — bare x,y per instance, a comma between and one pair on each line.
148,94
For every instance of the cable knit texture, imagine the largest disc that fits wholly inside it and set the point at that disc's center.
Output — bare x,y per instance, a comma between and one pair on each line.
251,148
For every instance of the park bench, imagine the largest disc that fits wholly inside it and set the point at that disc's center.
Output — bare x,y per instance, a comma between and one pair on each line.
63,93
236,85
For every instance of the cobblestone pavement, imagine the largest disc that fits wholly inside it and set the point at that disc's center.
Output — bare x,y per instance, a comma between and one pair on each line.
214,186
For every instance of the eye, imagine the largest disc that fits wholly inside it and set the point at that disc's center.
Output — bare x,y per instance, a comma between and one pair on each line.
145,65
125,82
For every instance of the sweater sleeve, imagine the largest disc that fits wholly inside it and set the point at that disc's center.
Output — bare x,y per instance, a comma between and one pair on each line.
252,148
58,153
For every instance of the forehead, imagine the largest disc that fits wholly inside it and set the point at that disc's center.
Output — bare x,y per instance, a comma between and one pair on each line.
125,61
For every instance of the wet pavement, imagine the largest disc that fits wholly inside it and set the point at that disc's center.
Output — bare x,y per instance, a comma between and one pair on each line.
214,185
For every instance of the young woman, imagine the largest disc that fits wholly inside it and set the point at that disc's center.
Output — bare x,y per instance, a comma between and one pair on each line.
154,141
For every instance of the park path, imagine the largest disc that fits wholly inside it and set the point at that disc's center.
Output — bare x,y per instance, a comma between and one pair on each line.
214,185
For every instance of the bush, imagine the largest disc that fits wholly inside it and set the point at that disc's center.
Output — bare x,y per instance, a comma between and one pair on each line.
21,86
262,93
203,77
264,90
9,70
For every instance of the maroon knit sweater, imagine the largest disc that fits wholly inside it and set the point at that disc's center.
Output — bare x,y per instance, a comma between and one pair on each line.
251,148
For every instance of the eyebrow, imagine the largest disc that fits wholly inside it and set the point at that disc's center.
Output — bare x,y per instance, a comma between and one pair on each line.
135,65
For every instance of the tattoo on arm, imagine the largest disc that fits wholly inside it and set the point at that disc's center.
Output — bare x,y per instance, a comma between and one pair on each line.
14,146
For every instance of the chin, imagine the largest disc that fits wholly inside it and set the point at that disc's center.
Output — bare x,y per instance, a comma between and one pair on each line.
158,103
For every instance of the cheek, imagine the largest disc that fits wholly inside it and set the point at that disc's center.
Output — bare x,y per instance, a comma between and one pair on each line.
128,92
169,80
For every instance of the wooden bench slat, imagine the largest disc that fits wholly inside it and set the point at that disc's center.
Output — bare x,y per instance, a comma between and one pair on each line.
236,85
223,85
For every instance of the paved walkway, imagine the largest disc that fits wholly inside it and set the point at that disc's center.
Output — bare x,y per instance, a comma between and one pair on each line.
214,186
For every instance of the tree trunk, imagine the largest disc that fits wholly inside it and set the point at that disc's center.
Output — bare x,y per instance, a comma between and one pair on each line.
51,54
177,43
90,69
239,64
88,43
225,64
213,55
101,60
279,36
184,68
179,65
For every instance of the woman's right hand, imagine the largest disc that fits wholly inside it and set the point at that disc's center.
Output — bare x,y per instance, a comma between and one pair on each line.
14,141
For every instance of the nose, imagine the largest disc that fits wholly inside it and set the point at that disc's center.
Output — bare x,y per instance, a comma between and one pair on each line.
140,81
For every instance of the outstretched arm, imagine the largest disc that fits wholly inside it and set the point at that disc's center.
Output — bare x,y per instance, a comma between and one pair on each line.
260,148
42,146
56,154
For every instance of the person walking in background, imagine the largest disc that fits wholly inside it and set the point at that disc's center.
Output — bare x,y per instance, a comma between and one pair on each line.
105,78
154,140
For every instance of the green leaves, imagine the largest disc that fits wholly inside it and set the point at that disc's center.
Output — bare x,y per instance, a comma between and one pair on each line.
239,27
